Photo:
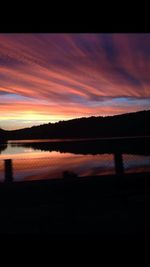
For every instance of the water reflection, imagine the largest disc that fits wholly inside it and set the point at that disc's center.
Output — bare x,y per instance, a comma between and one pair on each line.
57,163
96,146
33,161
136,163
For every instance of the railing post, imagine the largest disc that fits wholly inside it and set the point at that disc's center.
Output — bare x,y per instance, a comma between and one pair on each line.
8,171
118,163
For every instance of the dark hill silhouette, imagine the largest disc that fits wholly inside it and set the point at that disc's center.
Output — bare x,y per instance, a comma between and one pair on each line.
2,136
130,124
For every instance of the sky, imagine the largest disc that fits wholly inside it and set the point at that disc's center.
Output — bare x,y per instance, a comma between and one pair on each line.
51,77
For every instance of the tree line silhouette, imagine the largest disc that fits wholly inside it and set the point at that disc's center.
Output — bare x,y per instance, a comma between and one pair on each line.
129,124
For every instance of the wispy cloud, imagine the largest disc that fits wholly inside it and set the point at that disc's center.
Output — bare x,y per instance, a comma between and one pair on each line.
63,76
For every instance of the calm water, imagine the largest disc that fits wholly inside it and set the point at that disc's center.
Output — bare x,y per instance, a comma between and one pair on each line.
32,164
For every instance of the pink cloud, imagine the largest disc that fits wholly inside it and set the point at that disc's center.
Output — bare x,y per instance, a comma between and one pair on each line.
69,75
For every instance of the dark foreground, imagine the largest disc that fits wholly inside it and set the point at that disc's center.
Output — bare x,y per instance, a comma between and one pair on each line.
109,207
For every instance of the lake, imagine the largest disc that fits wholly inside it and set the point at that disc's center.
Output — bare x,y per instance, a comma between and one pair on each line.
45,159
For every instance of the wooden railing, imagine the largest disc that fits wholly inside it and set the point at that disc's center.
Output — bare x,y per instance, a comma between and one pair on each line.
8,170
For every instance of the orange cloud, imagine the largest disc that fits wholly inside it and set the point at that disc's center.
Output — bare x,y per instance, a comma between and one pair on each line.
60,76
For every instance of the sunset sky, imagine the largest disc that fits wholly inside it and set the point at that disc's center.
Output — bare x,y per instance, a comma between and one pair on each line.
51,77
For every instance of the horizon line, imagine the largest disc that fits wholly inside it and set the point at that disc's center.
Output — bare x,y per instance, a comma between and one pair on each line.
75,119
